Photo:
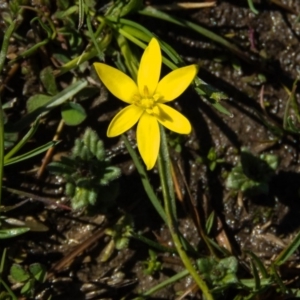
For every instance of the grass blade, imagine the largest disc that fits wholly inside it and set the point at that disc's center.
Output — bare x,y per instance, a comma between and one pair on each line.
31,153
56,100
259,264
286,253
145,180
152,12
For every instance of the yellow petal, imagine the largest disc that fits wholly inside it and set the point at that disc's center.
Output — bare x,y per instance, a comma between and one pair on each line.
176,82
148,139
172,119
117,82
124,120
149,70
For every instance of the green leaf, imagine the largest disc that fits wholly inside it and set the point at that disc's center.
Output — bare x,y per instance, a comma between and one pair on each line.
221,109
27,287
221,272
52,102
205,265
38,271
145,180
155,13
73,114
255,276
18,273
31,153
61,168
48,80
271,159
252,174
23,141
236,178
210,222
230,264
259,264
35,225
63,4
10,139
66,13
5,296
87,93
250,283
286,253
12,232
278,279
93,143
36,102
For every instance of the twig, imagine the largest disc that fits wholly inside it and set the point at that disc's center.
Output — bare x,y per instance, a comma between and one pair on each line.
46,200
49,153
67,259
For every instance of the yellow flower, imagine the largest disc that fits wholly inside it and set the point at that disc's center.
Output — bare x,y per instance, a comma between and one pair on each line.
146,100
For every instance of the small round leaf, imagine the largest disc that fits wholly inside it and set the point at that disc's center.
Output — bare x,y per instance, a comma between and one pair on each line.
73,113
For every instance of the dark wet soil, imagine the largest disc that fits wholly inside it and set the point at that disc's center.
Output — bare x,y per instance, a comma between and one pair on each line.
257,99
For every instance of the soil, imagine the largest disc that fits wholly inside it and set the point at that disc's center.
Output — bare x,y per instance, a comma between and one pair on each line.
257,98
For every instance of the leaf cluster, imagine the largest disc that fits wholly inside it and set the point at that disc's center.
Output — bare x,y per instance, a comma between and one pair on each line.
87,172
27,278
252,174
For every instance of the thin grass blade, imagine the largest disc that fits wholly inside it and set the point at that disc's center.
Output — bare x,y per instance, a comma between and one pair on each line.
286,253
31,153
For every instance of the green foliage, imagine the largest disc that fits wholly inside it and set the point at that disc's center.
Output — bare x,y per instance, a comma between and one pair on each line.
73,113
88,173
28,277
120,233
252,174
121,8
5,296
175,141
48,80
219,273
213,159
152,265
12,232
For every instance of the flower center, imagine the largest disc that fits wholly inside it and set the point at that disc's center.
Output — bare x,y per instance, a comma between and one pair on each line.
146,101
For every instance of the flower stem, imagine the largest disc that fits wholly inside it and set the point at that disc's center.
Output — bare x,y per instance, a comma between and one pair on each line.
169,202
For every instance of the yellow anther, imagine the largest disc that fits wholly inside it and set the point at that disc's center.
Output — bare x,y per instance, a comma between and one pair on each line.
146,92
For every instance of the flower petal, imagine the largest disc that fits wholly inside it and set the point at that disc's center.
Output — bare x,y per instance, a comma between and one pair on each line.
176,82
172,119
117,82
148,139
149,70
124,120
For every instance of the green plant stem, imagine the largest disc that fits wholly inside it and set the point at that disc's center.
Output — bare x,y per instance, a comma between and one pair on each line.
1,148
152,244
87,55
23,141
252,8
164,167
145,180
5,44
9,291
93,37
166,283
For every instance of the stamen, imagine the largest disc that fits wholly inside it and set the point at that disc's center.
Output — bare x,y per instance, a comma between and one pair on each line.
146,92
